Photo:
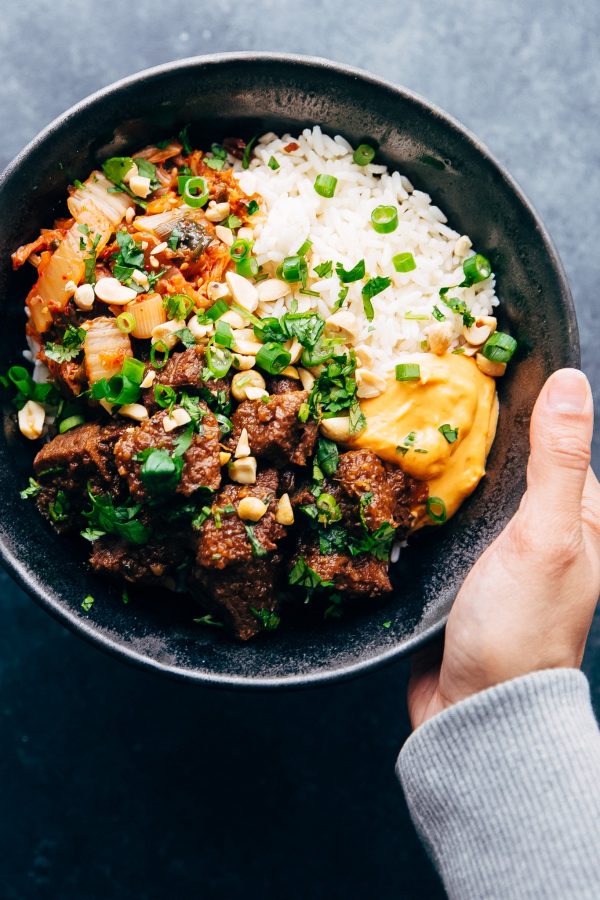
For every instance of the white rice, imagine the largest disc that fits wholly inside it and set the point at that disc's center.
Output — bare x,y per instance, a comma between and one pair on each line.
340,230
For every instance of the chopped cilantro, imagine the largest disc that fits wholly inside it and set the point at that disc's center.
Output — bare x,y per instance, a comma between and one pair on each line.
460,308
451,434
378,543
341,297
183,441
160,471
87,603
303,576
334,392
71,347
324,270
89,263
350,275
32,490
130,253
208,620
186,337
165,396
106,518
173,239
253,208
373,287
267,618
327,455
258,551
59,508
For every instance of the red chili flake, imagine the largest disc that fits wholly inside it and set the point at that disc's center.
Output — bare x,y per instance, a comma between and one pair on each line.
289,148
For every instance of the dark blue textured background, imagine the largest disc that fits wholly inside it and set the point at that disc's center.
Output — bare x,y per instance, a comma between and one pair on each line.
117,784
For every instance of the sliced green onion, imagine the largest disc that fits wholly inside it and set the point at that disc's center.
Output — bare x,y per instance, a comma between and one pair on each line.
408,372
449,433
415,317
293,269
305,248
165,395
240,249
404,262
273,358
224,334
476,268
436,510
325,185
126,322
273,164
193,189
384,219
319,354
70,422
133,369
232,222
363,155
248,267
308,293
328,509
218,360
499,347
159,347
217,310
438,314
303,412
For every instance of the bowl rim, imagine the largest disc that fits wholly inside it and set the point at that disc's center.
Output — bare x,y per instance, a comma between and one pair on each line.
83,626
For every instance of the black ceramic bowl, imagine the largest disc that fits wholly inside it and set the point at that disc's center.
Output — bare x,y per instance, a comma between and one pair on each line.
245,94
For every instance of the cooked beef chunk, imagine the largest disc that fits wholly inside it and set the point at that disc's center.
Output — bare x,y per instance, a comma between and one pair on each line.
69,375
230,578
281,384
409,493
354,576
223,539
274,430
153,564
80,455
68,463
201,466
184,372
361,472
235,593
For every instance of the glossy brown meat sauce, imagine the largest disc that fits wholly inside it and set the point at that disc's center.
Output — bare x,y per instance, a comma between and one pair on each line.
219,557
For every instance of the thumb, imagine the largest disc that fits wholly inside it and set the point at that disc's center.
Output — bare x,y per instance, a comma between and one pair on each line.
561,435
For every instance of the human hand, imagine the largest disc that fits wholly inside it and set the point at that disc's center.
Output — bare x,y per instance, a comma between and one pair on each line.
528,602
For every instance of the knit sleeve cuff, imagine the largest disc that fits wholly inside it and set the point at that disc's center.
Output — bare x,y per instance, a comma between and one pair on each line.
502,782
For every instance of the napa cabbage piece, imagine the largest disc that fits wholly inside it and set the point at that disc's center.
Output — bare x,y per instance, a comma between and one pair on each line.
97,214
105,349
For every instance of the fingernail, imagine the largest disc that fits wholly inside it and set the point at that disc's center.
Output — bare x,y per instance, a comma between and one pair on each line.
567,391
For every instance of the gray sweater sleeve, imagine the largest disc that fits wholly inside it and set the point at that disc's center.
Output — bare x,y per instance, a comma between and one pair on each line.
504,789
